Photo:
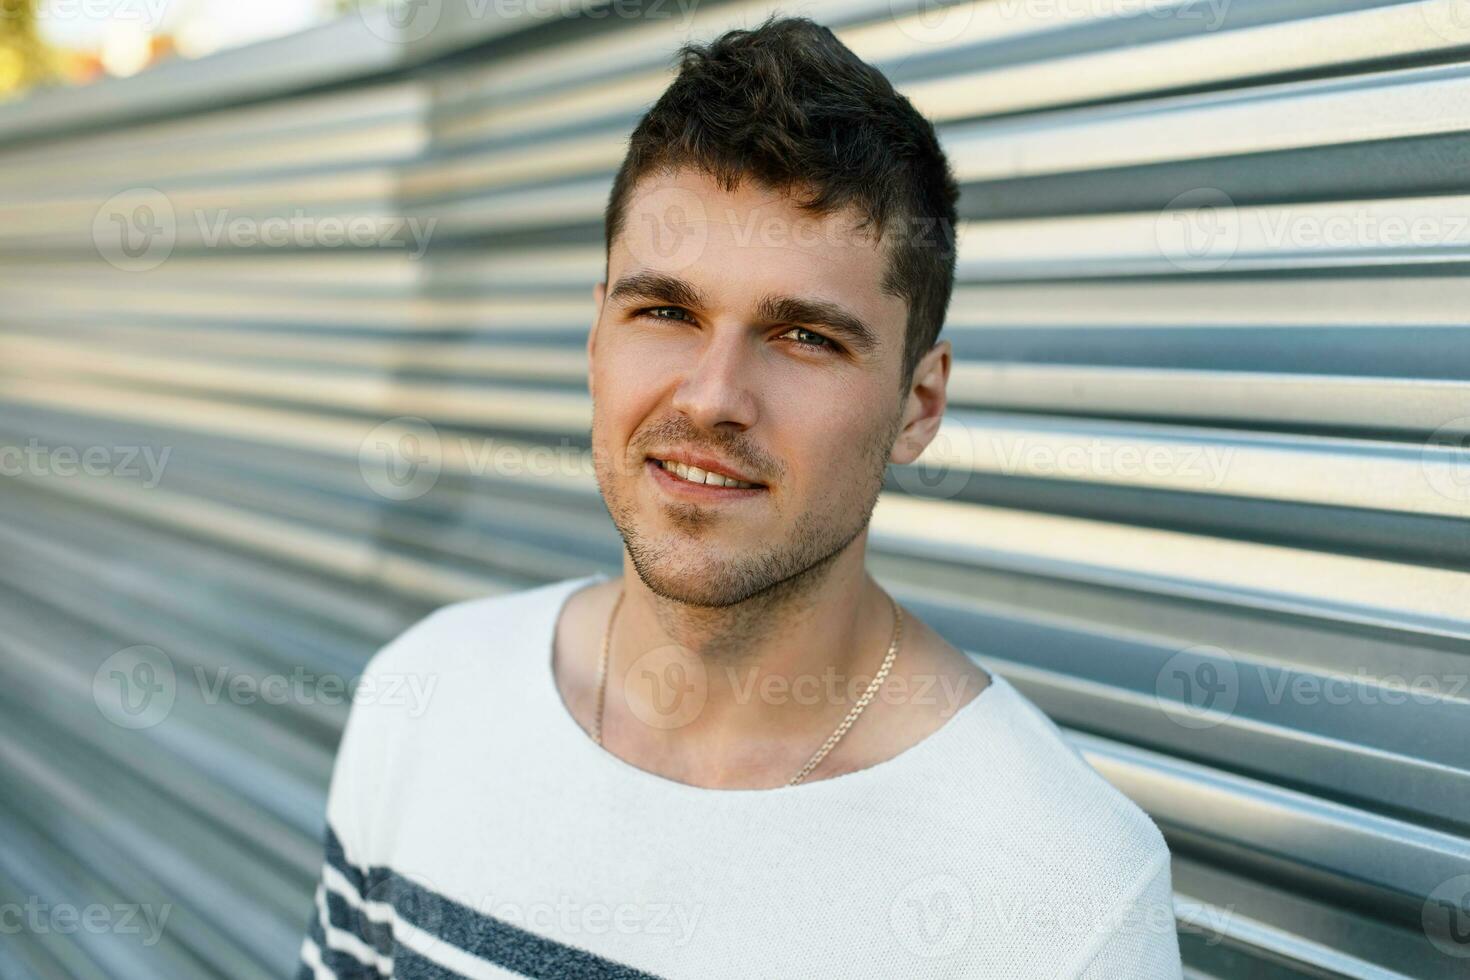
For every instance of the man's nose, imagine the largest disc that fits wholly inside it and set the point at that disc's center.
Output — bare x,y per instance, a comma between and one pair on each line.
719,387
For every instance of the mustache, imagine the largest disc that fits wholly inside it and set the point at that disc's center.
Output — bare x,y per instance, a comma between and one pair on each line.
749,459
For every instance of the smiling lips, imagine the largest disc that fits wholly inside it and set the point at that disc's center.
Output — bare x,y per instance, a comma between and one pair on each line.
693,474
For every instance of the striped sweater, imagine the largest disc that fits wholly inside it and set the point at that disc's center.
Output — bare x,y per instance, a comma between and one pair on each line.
474,829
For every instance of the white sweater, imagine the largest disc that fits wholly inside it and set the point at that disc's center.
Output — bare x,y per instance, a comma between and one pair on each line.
474,829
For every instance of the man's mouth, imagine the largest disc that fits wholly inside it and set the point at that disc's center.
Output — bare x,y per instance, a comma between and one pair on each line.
695,475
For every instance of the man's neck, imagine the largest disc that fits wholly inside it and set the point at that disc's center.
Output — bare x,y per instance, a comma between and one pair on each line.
752,721
765,680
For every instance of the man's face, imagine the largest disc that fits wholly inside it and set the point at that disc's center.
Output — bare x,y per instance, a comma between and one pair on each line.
735,327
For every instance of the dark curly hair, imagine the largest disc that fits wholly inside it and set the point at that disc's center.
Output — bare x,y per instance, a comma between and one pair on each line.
789,105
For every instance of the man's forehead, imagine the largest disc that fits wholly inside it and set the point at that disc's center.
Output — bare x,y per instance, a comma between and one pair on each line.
723,260
750,215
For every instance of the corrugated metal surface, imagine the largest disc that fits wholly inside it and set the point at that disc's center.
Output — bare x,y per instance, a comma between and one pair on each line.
1203,493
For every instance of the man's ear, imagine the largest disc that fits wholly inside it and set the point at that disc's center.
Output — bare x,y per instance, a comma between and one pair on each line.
924,405
599,293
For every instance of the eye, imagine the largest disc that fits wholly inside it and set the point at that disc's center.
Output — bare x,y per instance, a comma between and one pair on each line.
652,311
813,339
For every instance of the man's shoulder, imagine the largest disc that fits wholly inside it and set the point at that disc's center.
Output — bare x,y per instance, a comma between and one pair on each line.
1011,820
1055,796
450,670
470,632
1084,851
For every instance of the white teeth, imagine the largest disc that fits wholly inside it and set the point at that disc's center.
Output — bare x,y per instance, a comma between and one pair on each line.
696,475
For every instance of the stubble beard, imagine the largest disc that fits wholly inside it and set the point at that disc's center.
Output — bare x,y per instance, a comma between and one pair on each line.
744,590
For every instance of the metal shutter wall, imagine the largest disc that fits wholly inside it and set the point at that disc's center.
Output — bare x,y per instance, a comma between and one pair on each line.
1201,493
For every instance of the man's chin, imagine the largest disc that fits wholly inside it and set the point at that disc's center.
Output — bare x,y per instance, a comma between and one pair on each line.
712,583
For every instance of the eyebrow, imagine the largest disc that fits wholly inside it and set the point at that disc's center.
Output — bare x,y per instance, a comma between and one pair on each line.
658,287
820,313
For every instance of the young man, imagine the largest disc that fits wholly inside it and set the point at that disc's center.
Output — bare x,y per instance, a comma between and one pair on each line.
740,757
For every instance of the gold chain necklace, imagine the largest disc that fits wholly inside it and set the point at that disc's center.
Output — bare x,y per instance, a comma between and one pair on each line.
832,740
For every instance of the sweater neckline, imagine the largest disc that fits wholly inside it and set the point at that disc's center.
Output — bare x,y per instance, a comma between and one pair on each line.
859,782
